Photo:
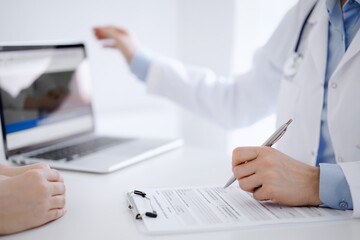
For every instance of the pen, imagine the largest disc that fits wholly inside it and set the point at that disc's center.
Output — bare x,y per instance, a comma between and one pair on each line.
268,143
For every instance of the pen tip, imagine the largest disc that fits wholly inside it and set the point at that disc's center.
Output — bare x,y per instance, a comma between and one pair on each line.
288,122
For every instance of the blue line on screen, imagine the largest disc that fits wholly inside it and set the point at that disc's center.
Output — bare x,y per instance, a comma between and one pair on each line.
19,126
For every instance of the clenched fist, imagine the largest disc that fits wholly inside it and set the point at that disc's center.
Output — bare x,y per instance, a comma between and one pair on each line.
30,197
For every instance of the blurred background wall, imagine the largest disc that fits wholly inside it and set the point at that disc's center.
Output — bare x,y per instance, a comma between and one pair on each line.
220,34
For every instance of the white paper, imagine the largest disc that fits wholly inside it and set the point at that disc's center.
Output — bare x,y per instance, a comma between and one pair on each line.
209,208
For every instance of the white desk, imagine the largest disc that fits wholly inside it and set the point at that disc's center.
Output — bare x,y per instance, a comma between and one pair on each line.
97,208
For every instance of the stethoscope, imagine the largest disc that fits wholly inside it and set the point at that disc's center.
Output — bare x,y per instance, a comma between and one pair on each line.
293,62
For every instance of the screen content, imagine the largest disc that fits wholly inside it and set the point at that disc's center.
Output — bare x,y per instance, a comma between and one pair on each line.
45,95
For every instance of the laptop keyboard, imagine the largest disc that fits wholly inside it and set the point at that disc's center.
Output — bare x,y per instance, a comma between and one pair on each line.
78,150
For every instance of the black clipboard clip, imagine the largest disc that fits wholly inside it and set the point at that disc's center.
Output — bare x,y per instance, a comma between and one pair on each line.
132,205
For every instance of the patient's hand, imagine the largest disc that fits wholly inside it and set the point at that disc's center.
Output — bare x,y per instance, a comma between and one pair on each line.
31,199
121,38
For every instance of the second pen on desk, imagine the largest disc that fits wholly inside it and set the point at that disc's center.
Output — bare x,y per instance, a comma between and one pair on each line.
268,143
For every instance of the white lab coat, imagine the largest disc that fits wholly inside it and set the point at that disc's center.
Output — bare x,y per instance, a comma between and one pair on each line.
265,90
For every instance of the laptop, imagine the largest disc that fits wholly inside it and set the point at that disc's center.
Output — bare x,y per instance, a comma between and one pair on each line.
47,116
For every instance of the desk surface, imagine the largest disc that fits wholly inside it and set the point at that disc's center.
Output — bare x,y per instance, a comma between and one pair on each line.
97,208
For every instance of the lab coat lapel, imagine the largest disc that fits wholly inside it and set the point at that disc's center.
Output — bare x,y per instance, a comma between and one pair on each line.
352,50
318,38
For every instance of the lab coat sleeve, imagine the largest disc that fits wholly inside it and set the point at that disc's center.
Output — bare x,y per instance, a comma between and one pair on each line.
232,103
351,171
140,64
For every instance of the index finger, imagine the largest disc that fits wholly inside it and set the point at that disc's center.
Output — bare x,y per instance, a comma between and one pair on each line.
244,154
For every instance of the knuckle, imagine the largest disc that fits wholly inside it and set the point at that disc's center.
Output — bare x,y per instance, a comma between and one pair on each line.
41,166
56,173
243,185
235,151
34,175
236,172
256,196
57,213
235,155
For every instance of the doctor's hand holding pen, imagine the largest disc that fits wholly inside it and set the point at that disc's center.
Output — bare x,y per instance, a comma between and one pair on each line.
271,175
263,171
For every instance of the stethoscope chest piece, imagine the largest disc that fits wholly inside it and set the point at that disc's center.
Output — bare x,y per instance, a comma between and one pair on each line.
292,65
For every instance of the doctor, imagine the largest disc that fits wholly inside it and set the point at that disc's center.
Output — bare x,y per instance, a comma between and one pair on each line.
309,70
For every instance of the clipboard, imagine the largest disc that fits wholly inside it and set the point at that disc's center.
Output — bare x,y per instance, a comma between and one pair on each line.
212,208
141,207
133,205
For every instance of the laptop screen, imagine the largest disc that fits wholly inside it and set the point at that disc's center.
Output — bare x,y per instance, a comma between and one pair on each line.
45,94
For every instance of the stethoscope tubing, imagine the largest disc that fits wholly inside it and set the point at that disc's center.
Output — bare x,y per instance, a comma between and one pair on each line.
292,64
302,29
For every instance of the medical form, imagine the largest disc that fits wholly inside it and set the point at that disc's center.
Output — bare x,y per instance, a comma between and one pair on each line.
209,208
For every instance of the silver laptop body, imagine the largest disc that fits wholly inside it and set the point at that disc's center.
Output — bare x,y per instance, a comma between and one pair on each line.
46,112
